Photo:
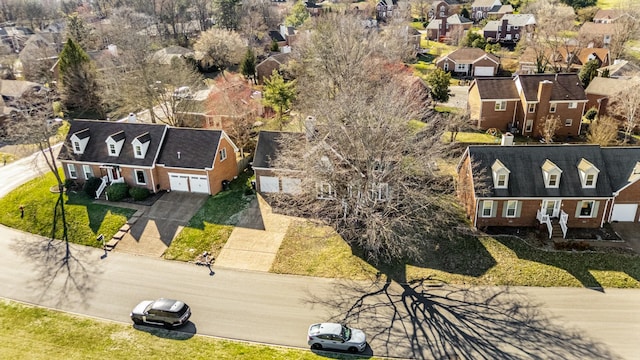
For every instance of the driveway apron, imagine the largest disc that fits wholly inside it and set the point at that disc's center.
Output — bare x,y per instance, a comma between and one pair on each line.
153,232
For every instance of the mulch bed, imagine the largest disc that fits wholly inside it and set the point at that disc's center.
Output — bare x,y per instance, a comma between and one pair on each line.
148,201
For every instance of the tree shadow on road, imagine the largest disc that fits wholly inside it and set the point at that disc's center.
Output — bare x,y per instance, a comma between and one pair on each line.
63,275
419,321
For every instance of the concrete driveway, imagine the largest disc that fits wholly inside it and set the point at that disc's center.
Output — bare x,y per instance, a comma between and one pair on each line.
152,233
629,232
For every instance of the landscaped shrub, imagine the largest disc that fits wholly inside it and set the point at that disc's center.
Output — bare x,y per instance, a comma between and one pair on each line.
572,245
91,186
139,193
70,184
117,191
591,114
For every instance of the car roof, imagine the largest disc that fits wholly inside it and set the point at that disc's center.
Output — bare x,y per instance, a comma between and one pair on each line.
325,328
167,305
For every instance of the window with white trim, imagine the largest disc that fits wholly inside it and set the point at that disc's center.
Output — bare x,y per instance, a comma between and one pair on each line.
553,107
76,147
553,180
568,122
528,126
573,105
590,180
380,192
324,191
501,105
502,181
73,174
487,208
112,150
140,178
461,67
586,208
512,207
532,108
138,151
86,170
223,154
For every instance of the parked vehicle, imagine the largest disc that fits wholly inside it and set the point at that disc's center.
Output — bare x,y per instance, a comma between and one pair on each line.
166,312
336,336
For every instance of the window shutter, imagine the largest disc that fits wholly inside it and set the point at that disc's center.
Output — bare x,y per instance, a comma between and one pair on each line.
494,209
596,205
578,207
519,209
504,208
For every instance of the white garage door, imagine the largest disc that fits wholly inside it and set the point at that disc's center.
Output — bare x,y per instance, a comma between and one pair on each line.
269,184
179,182
624,212
199,184
291,186
483,71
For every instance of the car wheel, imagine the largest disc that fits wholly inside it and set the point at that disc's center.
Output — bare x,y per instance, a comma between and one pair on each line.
137,321
316,346
353,350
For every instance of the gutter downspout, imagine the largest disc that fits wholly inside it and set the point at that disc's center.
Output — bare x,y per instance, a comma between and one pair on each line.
606,206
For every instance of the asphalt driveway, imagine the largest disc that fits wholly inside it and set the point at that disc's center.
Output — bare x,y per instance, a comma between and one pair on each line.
629,232
152,233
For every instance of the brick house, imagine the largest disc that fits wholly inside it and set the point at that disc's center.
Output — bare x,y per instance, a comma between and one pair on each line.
453,27
469,62
555,186
602,90
608,16
480,9
265,68
597,34
152,156
269,177
522,104
510,28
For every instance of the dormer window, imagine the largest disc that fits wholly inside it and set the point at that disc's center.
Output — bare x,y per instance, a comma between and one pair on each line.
588,174
79,141
500,175
551,173
140,145
115,142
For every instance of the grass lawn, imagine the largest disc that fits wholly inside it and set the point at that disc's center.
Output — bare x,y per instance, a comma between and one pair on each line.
85,220
472,137
211,226
36,333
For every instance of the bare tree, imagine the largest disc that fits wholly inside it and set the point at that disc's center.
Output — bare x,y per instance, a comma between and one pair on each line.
548,127
626,105
603,131
367,172
457,122
626,28
220,48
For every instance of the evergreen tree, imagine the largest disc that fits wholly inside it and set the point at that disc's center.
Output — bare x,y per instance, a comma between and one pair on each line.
589,71
78,82
299,14
248,65
438,80
278,94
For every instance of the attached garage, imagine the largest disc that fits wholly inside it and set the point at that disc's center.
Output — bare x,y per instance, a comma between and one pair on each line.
199,184
291,186
624,212
179,182
269,184
483,71
189,183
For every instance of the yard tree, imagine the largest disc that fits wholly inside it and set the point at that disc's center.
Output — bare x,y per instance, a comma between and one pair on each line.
548,127
298,14
421,8
78,31
279,94
626,105
248,65
624,29
589,71
221,48
78,80
438,80
367,172
603,131
227,13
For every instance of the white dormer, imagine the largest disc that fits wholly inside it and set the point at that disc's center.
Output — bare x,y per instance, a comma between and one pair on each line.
551,173
500,175
588,174
114,143
79,141
635,173
140,145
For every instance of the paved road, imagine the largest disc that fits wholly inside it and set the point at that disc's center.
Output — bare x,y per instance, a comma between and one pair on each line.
23,170
410,322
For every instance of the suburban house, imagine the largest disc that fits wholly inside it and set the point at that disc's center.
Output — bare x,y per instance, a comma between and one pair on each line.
265,68
608,16
597,34
524,103
510,28
453,27
277,37
601,90
620,69
556,186
270,178
469,62
480,9
166,55
384,8
152,156
494,14
569,58
440,10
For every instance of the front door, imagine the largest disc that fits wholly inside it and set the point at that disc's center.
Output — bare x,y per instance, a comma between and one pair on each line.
113,173
551,207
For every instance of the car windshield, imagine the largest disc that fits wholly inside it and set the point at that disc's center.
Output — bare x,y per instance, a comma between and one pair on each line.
346,333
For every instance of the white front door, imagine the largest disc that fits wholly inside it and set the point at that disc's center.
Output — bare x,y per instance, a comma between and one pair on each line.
551,207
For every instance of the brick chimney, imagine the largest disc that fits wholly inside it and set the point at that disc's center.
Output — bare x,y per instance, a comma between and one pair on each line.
544,91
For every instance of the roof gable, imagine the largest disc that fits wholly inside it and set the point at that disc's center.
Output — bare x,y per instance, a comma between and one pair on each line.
190,148
498,88
566,87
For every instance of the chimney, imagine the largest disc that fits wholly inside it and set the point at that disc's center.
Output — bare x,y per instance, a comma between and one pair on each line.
544,91
132,118
178,154
507,139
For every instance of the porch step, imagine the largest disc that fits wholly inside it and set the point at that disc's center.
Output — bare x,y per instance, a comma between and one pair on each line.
556,230
119,235
111,244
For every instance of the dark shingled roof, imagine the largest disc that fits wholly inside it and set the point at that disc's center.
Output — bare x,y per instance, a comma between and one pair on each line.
118,136
526,177
197,148
497,88
97,150
144,138
566,87
269,146
620,163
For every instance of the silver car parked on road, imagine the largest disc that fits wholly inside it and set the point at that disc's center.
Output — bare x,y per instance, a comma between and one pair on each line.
336,336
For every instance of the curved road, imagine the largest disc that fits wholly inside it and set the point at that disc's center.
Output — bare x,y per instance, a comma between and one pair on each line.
410,321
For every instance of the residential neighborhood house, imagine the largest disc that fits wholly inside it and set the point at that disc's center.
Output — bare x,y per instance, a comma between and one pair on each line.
469,62
510,28
453,27
480,9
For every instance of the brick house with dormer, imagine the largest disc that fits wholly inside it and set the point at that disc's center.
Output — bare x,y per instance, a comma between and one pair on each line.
510,28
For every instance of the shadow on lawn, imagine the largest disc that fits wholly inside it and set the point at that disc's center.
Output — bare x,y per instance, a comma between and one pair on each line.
96,212
421,322
578,264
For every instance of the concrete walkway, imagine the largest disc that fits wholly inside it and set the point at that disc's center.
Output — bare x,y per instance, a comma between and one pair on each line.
255,240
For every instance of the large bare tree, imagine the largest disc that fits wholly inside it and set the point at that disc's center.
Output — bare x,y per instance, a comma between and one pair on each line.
626,105
220,48
368,173
603,131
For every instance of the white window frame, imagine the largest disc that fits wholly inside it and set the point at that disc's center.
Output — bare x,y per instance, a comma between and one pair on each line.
144,176
553,181
528,126
568,122
87,171
553,107
73,172
324,190
112,149
512,205
461,67
77,148
590,180
137,149
593,206
223,154
501,181
380,192
531,108
573,105
485,208
501,105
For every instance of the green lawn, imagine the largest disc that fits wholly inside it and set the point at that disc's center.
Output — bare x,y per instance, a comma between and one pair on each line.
85,220
211,226
472,137
35,333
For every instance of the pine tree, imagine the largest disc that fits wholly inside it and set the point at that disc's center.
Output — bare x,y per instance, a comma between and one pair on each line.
278,94
438,80
248,65
78,82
